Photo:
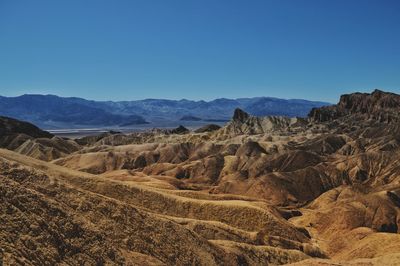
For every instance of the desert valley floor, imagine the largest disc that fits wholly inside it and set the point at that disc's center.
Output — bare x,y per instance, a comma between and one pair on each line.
322,190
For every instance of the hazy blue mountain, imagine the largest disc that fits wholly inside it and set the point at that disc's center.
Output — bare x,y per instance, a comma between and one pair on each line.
54,111
50,110
190,118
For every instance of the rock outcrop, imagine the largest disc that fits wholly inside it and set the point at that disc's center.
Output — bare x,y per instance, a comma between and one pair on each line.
10,126
28,139
243,123
207,128
378,105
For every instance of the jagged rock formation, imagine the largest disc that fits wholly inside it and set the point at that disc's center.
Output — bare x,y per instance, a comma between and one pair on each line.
28,139
179,130
207,128
378,105
240,115
90,140
243,123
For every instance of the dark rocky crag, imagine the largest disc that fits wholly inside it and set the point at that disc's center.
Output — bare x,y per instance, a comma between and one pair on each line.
378,105
10,126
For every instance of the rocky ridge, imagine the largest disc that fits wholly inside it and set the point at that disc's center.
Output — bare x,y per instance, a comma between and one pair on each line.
378,105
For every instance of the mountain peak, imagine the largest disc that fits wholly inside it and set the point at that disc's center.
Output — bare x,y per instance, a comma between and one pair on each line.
378,92
240,115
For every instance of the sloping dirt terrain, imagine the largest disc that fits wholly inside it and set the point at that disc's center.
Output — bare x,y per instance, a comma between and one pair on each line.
70,218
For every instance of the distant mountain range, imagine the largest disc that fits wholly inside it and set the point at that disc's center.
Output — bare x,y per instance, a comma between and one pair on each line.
50,111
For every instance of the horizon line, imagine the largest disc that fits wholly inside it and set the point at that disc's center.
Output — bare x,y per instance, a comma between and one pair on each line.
168,99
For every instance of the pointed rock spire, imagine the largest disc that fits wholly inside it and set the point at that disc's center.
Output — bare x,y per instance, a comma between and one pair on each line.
240,115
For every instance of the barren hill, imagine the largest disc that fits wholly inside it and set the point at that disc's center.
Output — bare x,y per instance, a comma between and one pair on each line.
260,190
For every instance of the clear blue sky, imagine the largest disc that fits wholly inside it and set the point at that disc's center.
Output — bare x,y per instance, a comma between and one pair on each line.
200,49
